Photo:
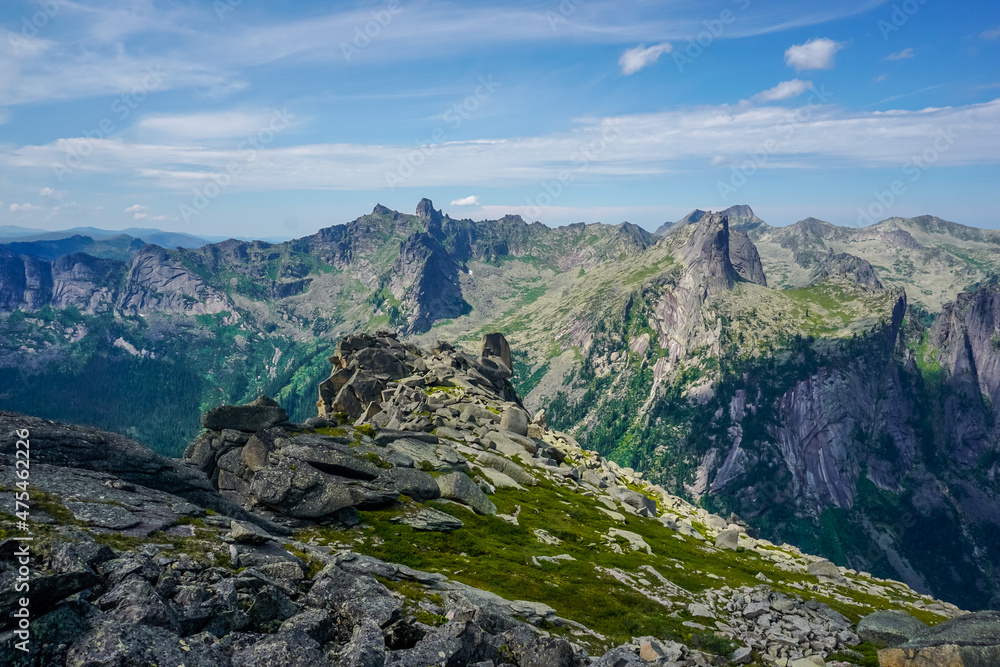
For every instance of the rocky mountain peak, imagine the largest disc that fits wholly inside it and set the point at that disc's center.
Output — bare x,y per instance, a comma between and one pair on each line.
426,210
706,253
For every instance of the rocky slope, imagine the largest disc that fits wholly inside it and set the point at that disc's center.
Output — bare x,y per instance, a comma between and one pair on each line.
426,519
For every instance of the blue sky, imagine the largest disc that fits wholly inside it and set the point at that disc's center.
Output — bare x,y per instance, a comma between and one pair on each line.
240,117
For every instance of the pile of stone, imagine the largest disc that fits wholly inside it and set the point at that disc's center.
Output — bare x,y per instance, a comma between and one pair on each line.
291,473
154,606
781,627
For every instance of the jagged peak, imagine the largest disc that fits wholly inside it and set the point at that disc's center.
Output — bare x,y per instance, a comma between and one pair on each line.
426,210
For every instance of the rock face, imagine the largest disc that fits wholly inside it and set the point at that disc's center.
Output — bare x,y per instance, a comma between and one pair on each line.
848,267
965,337
745,258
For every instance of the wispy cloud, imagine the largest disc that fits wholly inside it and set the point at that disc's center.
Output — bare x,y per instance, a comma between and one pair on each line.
23,207
901,55
814,54
783,91
212,125
471,200
991,34
641,56
635,145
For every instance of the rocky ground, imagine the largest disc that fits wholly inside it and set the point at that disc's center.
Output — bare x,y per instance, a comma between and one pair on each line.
423,518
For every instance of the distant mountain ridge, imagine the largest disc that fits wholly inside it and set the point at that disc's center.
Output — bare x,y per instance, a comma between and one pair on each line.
795,375
10,233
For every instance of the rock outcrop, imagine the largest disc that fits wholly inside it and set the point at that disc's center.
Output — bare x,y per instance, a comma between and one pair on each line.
847,267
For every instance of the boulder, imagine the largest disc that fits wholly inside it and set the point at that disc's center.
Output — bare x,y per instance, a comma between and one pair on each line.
130,644
354,598
728,539
247,533
824,568
458,487
257,416
889,628
255,452
514,420
288,649
416,484
507,467
972,640
497,347
317,623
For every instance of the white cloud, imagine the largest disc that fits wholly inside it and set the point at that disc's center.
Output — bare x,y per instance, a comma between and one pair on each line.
637,145
217,125
49,193
814,54
784,91
718,160
138,211
471,200
635,59
901,55
23,207
990,34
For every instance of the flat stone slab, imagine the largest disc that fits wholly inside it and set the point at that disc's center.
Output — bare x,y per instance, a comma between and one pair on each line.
430,520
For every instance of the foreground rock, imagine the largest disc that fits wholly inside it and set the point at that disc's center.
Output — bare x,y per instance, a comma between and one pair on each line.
972,640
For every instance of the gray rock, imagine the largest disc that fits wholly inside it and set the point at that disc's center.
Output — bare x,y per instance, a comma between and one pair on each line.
115,644
287,649
354,598
515,420
270,605
507,467
366,647
255,452
495,345
728,539
824,568
457,486
248,533
82,555
317,623
972,640
416,484
257,416
890,628
633,499
332,462
530,650
621,656
430,520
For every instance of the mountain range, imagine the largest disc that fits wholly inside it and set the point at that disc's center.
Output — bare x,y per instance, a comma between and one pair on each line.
838,387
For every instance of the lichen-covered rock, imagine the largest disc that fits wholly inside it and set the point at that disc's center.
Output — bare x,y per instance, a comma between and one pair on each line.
116,644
